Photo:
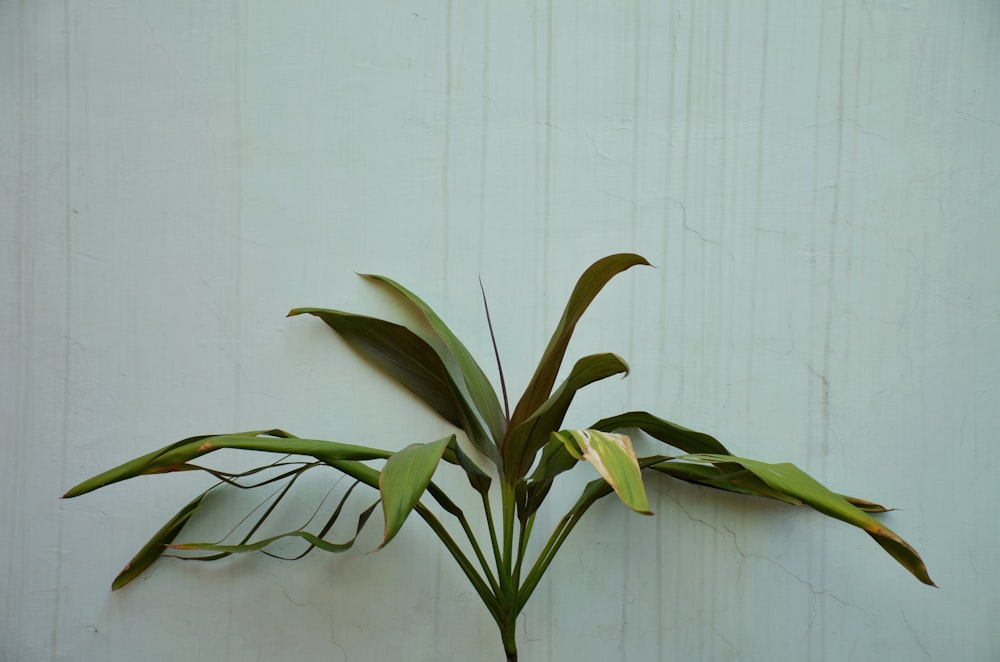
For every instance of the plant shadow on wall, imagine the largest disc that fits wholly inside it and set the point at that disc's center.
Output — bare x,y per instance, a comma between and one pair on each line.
511,459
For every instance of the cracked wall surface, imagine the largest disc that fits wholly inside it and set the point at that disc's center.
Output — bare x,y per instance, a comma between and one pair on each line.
816,183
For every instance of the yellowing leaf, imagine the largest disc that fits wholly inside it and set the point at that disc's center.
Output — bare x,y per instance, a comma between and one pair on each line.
613,457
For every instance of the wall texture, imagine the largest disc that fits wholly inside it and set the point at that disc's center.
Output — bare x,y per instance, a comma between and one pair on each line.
817,184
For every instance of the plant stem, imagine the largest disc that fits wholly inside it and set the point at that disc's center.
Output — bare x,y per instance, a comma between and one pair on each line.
479,553
522,547
488,511
548,553
507,495
487,596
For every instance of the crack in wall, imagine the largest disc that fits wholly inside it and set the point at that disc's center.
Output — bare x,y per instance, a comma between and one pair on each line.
916,636
816,593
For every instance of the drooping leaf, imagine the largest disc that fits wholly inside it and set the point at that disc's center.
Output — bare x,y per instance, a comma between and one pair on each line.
613,457
404,355
412,362
790,480
314,540
527,438
590,284
478,387
154,549
404,478
677,436
740,480
176,457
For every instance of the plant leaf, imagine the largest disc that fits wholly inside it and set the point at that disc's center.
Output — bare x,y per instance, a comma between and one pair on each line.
153,549
404,355
411,361
554,461
677,436
525,440
792,481
404,478
478,387
590,284
176,456
738,480
613,457
313,539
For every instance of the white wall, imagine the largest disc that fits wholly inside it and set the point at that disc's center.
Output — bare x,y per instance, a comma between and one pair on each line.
816,182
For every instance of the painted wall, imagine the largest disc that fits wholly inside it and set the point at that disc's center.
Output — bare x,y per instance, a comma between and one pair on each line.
817,184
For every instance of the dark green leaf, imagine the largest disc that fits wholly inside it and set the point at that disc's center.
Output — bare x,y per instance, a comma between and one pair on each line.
677,436
411,361
153,549
587,288
404,355
526,439
790,480
175,457
477,386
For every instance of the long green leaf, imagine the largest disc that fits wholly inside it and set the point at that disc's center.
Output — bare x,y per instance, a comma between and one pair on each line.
739,480
530,436
412,362
590,284
790,480
176,457
404,355
153,549
677,436
613,457
592,492
404,478
479,388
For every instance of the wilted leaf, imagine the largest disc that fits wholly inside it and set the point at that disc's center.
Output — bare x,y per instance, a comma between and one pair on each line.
175,457
790,480
154,549
613,457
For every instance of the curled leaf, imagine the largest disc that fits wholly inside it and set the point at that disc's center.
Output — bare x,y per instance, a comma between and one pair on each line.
613,457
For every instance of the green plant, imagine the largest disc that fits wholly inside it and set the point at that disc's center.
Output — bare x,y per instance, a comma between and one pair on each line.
523,451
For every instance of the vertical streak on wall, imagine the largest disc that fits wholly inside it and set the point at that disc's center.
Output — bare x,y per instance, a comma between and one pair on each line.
484,132
237,158
239,41
758,184
661,585
723,373
68,313
832,243
633,290
831,298
547,192
814,249
15,374
685,158
445,194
